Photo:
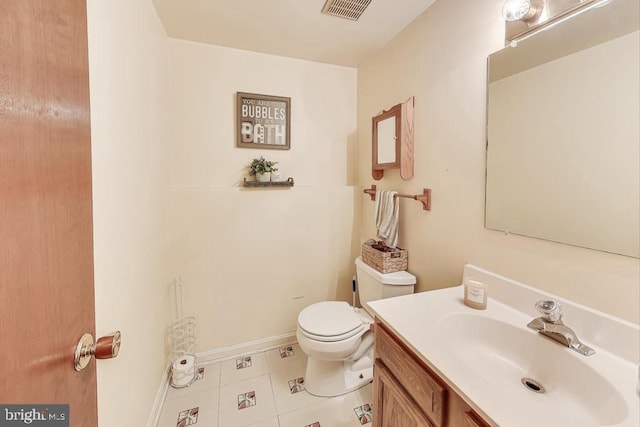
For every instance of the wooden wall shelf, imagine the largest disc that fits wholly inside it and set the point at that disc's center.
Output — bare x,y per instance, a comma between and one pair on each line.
288,183
424,198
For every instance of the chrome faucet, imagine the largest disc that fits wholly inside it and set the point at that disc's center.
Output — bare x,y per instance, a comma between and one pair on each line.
551,325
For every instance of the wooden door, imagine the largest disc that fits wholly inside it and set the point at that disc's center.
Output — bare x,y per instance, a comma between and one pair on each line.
393,406
46,247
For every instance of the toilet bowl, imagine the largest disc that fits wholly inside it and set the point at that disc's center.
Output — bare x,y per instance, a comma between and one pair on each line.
337,338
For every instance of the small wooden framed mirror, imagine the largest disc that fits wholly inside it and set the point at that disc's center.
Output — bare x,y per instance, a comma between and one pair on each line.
392,142
386,139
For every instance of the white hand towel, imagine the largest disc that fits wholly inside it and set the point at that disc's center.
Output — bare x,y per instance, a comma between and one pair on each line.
387,217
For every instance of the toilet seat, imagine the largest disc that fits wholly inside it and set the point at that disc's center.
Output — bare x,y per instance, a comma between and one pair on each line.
330,321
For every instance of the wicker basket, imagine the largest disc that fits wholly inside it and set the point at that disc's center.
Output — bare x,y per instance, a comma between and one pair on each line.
385,262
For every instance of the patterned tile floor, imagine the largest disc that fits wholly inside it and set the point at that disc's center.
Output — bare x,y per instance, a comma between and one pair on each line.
261,390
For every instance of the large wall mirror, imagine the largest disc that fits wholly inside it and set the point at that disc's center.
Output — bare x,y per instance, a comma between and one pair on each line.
563,130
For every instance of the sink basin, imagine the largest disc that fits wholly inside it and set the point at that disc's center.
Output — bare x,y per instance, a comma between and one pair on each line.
497,356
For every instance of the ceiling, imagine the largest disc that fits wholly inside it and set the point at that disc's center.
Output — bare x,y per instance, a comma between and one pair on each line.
292,28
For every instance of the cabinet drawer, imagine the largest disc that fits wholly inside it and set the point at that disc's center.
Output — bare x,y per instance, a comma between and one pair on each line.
425,389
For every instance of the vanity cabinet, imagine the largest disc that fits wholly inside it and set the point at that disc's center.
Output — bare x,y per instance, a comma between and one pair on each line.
397,408
408,393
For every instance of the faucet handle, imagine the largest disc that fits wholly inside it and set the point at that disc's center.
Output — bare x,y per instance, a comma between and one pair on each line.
551,310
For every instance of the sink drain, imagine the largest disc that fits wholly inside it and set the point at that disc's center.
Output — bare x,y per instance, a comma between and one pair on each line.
532,385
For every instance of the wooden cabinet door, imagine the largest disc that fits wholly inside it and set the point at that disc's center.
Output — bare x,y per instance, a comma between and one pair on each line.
393,406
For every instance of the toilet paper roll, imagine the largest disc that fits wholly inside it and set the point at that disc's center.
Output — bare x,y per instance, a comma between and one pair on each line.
183,370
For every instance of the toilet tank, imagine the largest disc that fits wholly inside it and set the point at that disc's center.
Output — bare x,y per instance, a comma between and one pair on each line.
373,285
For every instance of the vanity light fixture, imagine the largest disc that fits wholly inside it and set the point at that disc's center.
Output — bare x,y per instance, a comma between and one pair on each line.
550,22
518,10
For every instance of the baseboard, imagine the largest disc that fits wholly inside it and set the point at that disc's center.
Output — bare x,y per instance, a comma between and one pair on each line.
264,344
216,355
156,410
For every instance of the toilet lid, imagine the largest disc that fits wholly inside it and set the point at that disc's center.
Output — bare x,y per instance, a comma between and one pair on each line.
329,319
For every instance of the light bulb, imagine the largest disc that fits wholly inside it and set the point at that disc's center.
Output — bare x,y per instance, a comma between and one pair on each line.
518,10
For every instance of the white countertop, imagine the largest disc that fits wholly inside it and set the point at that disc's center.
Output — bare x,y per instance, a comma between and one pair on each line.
423,322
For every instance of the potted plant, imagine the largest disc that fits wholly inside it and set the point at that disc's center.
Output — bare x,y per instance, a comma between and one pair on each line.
262,169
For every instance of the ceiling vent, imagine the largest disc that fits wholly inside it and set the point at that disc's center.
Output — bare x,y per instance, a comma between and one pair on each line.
348,9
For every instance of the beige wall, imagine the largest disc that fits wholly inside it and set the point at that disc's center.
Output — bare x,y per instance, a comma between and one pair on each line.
128,78
441,60
253,258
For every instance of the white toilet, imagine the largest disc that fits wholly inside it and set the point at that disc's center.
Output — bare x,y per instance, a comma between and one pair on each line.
336,337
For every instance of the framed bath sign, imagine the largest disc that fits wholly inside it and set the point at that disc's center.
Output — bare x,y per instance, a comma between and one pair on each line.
263,121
